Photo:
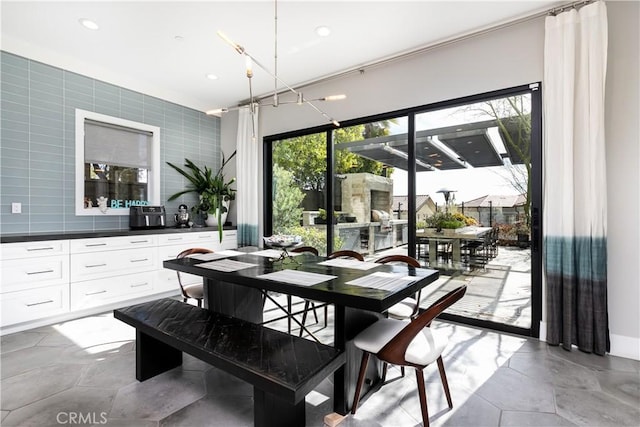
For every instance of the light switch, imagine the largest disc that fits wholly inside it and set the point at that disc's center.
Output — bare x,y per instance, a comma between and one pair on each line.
16,208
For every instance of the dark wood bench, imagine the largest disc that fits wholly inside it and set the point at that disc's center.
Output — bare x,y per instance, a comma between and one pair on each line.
282,368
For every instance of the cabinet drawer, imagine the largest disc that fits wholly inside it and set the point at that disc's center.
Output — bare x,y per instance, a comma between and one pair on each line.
112,243
105,264
230,239
113,289
23,306
26,273
34,249
193,239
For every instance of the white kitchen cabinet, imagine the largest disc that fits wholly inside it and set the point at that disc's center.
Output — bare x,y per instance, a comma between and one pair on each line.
54,280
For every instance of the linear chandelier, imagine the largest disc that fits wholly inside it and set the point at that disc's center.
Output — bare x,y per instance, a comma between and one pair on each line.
250,60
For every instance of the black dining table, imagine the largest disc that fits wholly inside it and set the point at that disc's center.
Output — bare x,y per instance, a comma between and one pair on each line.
240,294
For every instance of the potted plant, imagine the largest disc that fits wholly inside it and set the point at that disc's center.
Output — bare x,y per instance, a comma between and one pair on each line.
214,194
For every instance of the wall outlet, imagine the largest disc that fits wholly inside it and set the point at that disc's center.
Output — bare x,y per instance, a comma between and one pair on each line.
16,208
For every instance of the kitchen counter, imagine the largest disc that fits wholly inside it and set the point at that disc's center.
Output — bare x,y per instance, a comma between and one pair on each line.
31,237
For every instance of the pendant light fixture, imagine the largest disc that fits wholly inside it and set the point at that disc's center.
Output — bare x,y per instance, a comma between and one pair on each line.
250,59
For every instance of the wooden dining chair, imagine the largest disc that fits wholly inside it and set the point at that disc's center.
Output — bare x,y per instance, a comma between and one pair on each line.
195,291
408,307
308,304
411,344
346,254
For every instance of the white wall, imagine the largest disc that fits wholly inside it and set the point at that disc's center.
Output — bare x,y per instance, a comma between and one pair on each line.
504,58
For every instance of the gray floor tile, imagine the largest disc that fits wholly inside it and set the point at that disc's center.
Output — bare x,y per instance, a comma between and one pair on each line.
220,383
19,341
532,419
593,361
511,390
112,372
594,408
624,386
160,396
37,384
55,410
214,411
557,371
20,361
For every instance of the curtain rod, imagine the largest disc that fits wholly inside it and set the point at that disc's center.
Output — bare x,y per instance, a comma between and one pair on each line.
403,55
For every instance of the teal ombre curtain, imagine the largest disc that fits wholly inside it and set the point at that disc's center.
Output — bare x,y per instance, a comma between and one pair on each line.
575,198
247,167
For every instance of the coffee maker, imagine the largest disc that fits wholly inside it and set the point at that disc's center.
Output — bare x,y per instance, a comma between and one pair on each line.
182,217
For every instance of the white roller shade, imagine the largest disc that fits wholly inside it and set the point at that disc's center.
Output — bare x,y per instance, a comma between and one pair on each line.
110,144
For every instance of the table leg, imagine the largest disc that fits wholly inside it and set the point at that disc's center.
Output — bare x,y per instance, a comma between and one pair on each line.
238,301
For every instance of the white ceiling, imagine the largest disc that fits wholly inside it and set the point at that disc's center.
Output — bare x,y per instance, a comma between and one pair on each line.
166,49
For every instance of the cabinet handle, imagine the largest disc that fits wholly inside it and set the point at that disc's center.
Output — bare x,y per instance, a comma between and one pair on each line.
91,245
139,285
204,237
39,303
95,265
139,241
139,260
48,248
96,293
173,239
29,273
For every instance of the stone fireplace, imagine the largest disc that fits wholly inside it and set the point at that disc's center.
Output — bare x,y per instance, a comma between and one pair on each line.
364,192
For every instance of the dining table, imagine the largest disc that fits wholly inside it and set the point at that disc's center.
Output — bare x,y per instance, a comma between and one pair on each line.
453,236
235,282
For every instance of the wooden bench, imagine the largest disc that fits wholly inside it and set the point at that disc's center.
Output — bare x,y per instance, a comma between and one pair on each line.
282,368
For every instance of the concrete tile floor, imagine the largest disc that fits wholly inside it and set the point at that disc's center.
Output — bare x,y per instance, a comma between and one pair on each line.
82,372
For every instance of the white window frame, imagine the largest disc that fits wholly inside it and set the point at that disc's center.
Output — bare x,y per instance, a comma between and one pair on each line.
154,172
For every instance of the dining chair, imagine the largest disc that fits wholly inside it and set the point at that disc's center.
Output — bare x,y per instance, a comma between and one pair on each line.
408,307
412,344
346,254
308,304
195,291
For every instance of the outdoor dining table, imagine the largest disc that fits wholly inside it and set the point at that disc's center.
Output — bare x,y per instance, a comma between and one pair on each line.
454,236
360,293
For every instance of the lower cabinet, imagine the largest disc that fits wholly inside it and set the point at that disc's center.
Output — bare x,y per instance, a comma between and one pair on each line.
35,303
44,282
94,293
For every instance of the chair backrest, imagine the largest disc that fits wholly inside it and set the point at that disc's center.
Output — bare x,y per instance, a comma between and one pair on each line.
302,249
394,351
185,253
399,258
346,254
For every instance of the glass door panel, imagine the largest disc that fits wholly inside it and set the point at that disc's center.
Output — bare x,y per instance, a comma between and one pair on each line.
370,183
473,204
299,188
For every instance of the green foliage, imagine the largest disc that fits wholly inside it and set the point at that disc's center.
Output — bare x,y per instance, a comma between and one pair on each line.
286,205
316,237
442,220
211,188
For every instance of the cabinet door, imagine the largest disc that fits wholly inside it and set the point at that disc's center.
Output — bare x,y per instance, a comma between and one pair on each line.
26,273
88,266
34,249
32,304
100,244
109,290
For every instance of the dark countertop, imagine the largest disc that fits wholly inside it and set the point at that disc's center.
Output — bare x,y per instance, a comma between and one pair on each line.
32,237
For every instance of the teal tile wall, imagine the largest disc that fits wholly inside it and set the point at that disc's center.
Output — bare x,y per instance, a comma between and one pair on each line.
37,143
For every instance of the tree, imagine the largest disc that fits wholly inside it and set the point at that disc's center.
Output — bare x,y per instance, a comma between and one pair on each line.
286,210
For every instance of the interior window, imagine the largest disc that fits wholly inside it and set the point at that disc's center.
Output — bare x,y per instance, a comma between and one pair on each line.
117,164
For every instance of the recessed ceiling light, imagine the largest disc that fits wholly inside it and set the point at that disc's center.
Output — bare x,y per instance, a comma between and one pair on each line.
88,23
323,31
212,76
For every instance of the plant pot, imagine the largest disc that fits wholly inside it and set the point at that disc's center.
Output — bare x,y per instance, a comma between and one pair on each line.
212,219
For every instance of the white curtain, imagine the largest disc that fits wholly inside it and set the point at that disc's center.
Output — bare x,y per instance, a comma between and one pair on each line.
575,197
247,169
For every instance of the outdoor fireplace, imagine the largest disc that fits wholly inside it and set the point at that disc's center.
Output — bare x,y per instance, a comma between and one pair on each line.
366,196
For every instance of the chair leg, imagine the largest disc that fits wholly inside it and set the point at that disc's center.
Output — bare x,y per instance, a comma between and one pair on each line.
289,314
199,302
445,383
385,365
363,369
304,316
326,314
423,397
315,313
184,299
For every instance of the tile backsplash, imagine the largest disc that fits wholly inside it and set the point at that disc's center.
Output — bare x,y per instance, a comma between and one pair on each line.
37,143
